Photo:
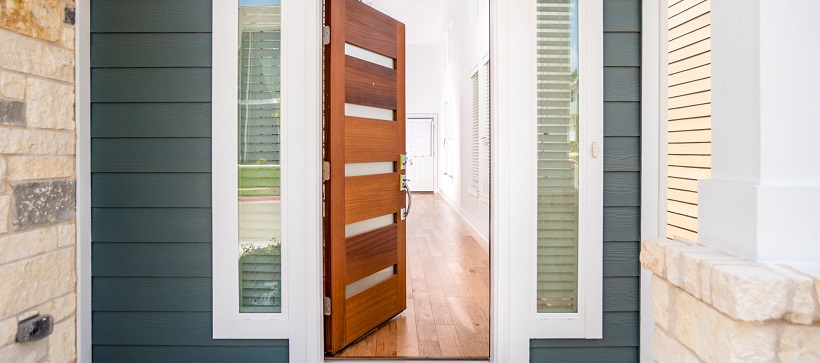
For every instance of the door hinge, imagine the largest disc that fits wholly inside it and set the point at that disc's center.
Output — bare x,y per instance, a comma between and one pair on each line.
325,170
326,305
325,35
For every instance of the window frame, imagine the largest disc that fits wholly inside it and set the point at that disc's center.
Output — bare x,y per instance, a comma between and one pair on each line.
587,322
299,180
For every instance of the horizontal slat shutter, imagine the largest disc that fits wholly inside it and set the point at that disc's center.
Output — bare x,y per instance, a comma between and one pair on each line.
689,113
557,87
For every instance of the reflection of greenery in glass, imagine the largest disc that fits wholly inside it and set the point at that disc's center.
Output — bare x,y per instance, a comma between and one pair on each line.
557,102
260,275
259,170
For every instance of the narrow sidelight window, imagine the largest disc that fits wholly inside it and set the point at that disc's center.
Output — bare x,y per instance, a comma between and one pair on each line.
558,161
259,168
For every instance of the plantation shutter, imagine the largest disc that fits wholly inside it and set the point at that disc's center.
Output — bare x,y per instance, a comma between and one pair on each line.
419,137
259,171
557,154
474,136
485,138
259,93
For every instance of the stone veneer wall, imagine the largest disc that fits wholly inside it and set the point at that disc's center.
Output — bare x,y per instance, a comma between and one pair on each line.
710,306
37,176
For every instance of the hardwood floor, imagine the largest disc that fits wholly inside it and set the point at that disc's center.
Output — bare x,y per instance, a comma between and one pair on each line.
448,291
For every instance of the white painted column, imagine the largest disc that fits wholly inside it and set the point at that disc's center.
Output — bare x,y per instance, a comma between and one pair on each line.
763,201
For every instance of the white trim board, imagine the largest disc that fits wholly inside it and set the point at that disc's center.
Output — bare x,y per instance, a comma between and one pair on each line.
301,323
653,148
82,115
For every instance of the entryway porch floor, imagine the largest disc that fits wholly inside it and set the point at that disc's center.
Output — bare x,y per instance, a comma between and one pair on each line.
448,291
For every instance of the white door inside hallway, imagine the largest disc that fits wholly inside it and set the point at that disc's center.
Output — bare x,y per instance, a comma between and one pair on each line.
420,157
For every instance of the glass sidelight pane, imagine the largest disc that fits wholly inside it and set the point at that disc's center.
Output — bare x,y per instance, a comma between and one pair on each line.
557,155
259,167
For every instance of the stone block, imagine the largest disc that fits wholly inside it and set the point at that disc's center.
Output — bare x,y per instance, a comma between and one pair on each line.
28,55
49,105
23,245
653,254
812,271
62,343
38,18
718,338
40,167
705,262
69,14
36,142
665,349
13,85
13,140
61,308
35,281
674,262
800,343
43,142
802,309
8,331
5,210
749,292
661,301
29,352
41,203
68,37
67,235
12,113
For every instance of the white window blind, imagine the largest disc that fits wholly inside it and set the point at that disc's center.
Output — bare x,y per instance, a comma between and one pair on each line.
474,136
558,161
419,137
485,134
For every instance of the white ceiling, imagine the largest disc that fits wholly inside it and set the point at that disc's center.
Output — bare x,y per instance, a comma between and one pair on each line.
422,18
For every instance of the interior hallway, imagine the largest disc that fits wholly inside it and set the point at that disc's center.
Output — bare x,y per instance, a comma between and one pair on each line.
448,290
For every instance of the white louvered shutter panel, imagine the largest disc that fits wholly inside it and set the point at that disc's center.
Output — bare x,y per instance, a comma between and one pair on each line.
474,136
485,134
557,154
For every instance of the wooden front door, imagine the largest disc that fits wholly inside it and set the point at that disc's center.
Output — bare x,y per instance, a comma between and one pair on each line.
364,199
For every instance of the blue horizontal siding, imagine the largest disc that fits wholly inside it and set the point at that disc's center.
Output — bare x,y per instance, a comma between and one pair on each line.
151,187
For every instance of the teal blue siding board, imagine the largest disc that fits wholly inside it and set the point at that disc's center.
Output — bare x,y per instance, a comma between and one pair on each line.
151,50
149,155
127,354
151,187
151,16
152,259
157,120
621,189
622,169
150,224
585,355
191,190
150,84
111,294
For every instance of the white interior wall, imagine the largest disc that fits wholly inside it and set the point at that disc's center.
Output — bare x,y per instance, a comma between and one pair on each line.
462,30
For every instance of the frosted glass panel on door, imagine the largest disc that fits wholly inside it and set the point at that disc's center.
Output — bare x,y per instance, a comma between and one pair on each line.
557,154
259,167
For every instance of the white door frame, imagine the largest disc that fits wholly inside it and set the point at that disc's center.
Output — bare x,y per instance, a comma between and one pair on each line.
434,132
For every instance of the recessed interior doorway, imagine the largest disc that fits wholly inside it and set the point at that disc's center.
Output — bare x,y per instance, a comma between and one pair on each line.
447,244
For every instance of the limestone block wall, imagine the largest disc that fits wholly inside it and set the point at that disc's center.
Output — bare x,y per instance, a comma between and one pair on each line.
709,306
37,176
